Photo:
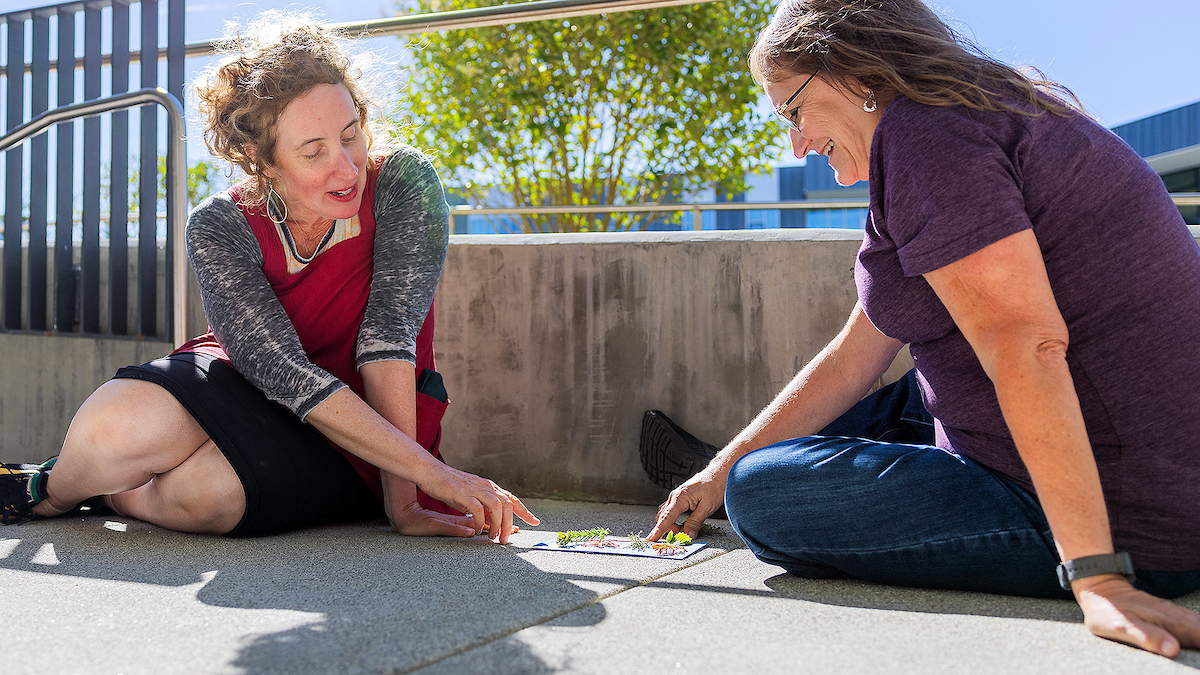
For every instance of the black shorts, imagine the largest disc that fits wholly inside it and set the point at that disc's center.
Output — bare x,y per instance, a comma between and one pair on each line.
292,476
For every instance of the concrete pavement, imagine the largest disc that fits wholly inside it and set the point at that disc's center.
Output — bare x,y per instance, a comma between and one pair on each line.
111,595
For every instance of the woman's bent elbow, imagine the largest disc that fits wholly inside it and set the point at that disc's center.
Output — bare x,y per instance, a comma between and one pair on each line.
1051,350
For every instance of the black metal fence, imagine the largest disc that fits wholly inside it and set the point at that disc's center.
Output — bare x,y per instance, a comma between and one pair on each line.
81,51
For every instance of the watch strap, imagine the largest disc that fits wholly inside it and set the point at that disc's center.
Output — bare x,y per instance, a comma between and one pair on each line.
1093,565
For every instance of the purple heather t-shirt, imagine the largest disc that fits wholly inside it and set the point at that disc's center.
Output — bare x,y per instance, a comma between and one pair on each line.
946,182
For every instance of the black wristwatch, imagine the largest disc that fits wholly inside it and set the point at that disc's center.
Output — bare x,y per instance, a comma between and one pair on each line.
1092,565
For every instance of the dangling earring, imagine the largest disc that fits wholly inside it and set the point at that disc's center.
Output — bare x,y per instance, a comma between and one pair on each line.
273,205
869,105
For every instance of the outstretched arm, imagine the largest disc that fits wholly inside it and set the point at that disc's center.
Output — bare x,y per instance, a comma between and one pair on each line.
827,387
1000,298
390,391
412,225
347,420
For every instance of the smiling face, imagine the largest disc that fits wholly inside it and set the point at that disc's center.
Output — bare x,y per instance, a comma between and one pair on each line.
320,157
828,121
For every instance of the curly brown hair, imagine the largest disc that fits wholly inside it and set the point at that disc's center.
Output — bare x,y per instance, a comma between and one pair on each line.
271,62
898,47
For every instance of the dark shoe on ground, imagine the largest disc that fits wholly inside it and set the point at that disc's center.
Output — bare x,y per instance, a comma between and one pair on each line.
18,492
670,455
22,486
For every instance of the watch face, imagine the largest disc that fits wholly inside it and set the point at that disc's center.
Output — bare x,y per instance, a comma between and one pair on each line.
1064,579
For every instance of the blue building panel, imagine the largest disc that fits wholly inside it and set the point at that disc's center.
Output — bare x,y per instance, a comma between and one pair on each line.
730,220
819,175
1171,130
791,188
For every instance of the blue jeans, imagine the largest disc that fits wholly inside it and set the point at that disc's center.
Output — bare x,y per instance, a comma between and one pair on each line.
871,497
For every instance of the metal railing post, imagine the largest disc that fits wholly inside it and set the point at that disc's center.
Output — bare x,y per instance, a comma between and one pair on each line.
177,186
1179,199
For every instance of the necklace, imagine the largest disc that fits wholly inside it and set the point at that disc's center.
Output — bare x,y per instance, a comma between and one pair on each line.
306,242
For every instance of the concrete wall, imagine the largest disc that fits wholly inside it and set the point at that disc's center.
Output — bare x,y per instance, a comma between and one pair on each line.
552,346
552,352
43,381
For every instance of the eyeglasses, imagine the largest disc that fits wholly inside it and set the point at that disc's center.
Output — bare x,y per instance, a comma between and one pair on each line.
782,107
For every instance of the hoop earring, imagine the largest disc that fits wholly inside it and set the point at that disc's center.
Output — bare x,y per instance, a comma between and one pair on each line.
273,203
869,105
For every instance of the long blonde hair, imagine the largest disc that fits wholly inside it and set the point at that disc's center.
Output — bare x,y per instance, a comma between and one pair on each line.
898,47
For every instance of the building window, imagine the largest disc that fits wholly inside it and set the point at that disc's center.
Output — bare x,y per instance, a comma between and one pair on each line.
1185,181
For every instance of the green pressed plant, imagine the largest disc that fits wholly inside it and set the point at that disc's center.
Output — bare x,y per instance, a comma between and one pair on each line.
677,539
576,536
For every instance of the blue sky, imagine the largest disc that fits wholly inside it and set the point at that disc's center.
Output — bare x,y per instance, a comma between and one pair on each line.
1123,60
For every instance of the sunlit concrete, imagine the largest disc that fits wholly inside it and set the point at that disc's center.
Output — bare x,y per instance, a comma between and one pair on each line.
112,595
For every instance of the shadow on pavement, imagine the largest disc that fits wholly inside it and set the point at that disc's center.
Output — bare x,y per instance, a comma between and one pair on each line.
864,594
381,602
867,595
385,603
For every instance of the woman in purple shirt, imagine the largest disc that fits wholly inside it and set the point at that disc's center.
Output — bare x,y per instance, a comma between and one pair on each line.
1049,293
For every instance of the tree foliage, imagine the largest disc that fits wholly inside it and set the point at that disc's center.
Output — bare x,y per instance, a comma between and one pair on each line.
202,181
622,108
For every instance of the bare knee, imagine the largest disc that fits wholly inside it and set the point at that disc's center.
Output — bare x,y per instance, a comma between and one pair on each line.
134,421
209,508
209,498
203,494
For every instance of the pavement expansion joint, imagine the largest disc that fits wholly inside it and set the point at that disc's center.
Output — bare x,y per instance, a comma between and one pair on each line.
600,597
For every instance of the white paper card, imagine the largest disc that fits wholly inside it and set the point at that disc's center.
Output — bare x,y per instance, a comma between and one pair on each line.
620,546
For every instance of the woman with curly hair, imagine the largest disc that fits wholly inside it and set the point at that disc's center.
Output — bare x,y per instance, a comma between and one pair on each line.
313,399
1049,293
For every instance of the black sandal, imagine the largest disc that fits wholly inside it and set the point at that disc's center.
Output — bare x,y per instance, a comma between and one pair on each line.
22,486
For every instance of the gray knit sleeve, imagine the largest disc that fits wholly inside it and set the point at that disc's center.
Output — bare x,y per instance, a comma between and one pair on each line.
244,313
411,233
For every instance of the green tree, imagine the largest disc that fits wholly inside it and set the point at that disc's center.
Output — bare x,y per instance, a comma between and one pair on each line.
202,181
622,108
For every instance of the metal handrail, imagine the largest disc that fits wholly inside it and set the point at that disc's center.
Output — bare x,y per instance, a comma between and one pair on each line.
1179,198
415,24
695,207
176,160
499,15
463,210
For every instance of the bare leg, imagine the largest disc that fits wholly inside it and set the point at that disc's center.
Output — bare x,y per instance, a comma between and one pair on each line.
203,494
129,434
